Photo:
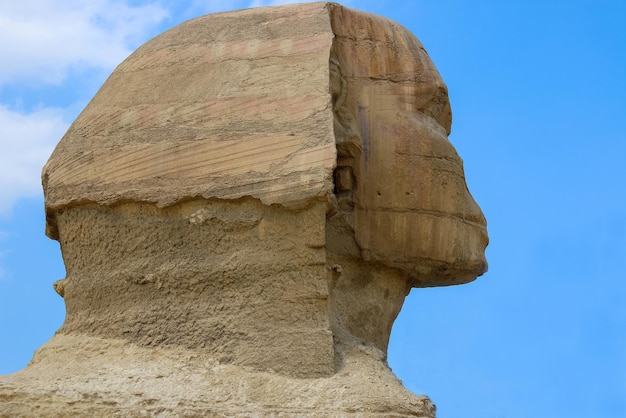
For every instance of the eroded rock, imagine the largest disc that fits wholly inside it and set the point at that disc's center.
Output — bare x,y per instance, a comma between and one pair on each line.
242,209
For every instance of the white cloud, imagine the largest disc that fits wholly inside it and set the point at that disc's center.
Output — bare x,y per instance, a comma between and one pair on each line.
27,141
40,40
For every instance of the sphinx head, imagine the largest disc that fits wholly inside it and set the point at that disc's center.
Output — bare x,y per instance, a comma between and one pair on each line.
235,166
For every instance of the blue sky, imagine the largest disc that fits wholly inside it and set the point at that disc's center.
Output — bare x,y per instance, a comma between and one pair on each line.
538,92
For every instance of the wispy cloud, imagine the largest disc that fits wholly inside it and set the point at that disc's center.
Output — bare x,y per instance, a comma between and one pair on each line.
42,43
27,141
43,39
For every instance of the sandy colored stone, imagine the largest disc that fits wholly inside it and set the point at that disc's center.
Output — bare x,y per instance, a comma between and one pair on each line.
242,209
223,106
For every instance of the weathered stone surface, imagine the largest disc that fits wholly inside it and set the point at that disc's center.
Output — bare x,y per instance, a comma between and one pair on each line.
410,208
223,106
242,209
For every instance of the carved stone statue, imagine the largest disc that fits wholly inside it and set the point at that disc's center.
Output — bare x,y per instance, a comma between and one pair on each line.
242,209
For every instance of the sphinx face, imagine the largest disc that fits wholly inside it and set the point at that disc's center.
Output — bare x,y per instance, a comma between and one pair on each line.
411,208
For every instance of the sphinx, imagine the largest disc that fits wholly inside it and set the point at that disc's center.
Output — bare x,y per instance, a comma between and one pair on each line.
242,209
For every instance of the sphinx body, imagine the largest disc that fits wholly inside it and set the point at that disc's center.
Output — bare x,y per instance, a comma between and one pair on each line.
242,209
